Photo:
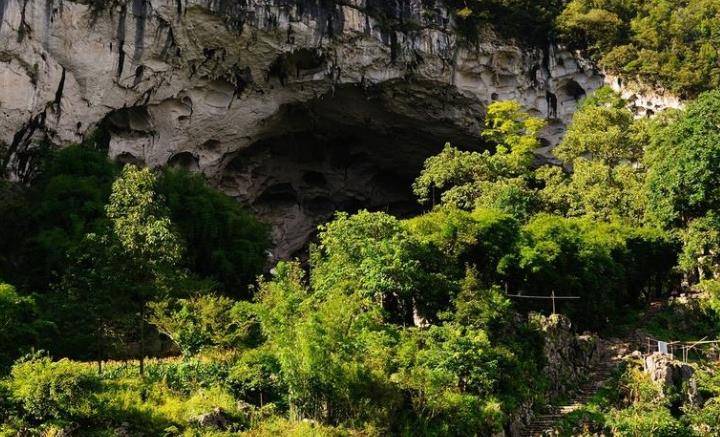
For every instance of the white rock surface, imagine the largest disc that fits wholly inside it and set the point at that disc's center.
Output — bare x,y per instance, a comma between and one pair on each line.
644,101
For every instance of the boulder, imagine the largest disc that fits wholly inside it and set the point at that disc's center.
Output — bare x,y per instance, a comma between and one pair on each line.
216,419
669,372
675,377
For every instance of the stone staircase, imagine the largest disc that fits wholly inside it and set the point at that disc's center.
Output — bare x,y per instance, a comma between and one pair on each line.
546,424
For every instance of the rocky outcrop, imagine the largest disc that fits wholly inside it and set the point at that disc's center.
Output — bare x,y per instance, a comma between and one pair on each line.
215,419
675,378
295,107
569,356
643,100
667,371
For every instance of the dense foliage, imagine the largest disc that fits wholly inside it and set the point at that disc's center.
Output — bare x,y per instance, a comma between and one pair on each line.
657,42
526,20
394,326
94,244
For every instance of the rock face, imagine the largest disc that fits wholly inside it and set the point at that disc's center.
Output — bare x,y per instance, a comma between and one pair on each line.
675,377
643,100
669,372
295,107
569,356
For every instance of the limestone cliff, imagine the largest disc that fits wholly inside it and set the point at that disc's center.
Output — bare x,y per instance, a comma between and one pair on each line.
295,107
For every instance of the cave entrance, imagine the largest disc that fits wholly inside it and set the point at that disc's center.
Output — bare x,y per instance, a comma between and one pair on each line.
350,150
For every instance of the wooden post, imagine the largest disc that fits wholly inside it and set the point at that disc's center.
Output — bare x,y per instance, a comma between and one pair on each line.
553,300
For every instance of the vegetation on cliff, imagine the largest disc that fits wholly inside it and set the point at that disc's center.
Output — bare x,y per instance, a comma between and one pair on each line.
672,44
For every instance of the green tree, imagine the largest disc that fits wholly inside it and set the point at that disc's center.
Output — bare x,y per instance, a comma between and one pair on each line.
205,321
141,222
670,44
604,147
602,130
485,239
491,179
528,21
482,308
451,373
91,304
149,243
14,212
372,255
700,256
332,347
683,161
595,26
66,201
20,325
559,255
594,189
223,241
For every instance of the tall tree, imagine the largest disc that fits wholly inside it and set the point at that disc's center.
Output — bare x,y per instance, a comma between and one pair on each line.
603,146
20,324
684,161
152,247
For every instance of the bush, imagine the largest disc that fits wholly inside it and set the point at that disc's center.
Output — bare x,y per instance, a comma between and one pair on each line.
637,387
184,411
187,376
645,420
19,324
256,378
203,322
277,426
705,420
46,389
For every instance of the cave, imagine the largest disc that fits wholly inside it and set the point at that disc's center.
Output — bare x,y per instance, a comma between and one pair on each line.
184,160
573,89
130,119
348,150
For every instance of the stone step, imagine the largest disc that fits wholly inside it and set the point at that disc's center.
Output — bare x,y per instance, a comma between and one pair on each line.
546,424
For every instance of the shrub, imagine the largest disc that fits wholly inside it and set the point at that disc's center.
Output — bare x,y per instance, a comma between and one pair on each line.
19,324
186,376
645,420
46,389
705,420
256,378
278,426
637,387
201,322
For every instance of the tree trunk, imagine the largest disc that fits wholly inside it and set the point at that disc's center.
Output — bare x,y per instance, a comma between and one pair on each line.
142,340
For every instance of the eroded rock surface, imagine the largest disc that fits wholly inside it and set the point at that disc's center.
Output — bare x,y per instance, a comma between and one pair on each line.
569,356
675,378
295,107
667,371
